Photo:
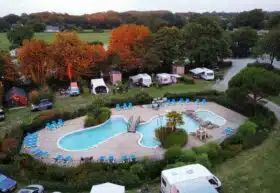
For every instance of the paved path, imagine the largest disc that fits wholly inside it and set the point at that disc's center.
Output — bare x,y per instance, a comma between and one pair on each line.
237,66
274,108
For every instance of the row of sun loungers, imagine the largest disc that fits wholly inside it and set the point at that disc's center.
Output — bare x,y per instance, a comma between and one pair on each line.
31,140
111,159
55,125
39,153
125,106
185,101
60,158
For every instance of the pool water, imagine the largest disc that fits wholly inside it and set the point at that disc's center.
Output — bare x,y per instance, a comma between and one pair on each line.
85,139
210,116
148,129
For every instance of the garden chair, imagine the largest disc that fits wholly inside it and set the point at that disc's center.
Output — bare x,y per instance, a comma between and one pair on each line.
187,100
102,158
67,159
111,159
125,158
204,101
132,157
118,107
125,106
181,101
197,102
58,157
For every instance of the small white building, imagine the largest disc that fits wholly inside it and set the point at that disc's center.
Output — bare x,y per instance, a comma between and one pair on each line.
50,28
141,80
107,188
174,179
98,86
165,78
203,73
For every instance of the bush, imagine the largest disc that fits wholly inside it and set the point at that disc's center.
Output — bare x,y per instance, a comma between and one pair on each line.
188,156
203,160
178,138
100,115
177,164
162,133
33,95
172,154
194,95
143,98
187,80
90,121
225,64
36,97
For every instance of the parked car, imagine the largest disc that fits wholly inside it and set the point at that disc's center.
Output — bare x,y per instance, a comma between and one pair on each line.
7,184
2,115
32,189
43,105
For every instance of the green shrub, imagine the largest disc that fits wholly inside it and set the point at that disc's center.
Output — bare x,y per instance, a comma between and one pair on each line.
162,133
90,121
44,95
203,160
187,80
178,138
172,154
143,98
86,91
188,156
193,95
98,116
177,164
225,64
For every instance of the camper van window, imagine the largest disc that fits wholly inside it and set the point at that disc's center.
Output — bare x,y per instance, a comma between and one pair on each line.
209,74
163,181
213,182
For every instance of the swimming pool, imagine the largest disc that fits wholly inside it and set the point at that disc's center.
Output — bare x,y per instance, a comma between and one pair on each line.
88,138
210,116
91,137
147,130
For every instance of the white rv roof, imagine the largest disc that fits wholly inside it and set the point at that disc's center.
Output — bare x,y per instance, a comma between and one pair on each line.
98,82
166,75
200,70
189,172
107,188
138,76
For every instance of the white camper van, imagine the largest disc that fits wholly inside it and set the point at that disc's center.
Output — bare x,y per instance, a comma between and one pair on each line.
98,86
165,78
141,80
203,73
189,177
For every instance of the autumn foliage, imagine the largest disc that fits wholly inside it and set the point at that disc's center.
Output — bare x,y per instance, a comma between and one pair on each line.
123,41
34,59
10,71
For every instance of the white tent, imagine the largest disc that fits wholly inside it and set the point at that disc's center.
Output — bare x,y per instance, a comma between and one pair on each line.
142,79
107,188
98,86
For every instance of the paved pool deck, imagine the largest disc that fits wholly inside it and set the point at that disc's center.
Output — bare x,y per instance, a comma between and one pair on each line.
127,143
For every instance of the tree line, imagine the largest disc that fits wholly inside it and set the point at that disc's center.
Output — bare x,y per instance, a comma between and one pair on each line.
257,19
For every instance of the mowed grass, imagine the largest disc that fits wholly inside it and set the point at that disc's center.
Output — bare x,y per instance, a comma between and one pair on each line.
18,116
253,171
49,37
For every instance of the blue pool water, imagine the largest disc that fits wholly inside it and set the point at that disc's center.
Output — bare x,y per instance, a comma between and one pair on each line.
210,116
148,129
85,139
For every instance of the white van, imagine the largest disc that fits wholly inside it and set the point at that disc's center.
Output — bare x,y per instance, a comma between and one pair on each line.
141,80
165,78
193,176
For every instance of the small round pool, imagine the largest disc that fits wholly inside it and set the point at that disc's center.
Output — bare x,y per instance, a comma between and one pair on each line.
210,116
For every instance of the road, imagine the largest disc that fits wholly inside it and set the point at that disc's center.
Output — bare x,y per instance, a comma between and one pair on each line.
237,66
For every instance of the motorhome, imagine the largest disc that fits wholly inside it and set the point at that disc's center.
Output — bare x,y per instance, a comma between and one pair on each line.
165,78
73,89
203,73
189,177
141,80
98,86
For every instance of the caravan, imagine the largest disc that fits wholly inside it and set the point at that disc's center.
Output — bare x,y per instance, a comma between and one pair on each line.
98,86
141,80
165,78
203,73
189,179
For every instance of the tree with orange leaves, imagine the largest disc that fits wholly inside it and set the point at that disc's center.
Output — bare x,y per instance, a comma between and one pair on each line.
68,50
34,64
123,41
8,70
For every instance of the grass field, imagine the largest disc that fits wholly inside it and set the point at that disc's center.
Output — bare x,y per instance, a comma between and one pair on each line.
16,117
253,171
49,37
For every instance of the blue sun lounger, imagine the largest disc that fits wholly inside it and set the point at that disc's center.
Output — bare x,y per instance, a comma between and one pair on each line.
204,101
68,159
125,158
181,101
133,157
43,154
118,107
173,102
169,102
111,158
60,122
188,100
125,106
129,106
58,157
228,131
197,102
36,152
102,158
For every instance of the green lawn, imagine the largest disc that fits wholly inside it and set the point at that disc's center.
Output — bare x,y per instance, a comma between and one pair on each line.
16,117
275,99
253,171
49,37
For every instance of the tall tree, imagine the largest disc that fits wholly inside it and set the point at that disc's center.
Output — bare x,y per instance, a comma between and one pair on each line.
12,18
8,69
122,42
253,84
274,21
19,34
205,41
243,41
254,19
168,42
68,52
270,45
4,26
34,63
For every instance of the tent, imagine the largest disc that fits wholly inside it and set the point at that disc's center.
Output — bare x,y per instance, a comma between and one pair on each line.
98,86
107,188
141,80
16,97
